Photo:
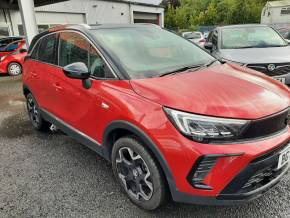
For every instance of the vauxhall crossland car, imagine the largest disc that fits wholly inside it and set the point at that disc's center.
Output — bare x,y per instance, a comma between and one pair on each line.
255,46
173,121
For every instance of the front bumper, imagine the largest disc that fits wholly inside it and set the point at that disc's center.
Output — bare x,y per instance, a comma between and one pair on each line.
252,182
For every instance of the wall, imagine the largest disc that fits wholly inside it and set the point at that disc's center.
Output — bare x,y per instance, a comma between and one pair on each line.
275,16
86,11
5,23
94,10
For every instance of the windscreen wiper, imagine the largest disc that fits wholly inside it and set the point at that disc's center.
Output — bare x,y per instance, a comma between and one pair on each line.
178,70
204,65
187,68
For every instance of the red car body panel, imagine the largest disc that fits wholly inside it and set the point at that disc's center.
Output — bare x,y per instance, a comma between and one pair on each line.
250,96
13,56
222,91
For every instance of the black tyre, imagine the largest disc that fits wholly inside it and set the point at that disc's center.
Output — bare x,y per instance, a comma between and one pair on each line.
138,173
14,69
34,114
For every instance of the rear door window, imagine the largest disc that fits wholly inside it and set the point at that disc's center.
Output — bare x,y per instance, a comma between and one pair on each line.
34,54
47,49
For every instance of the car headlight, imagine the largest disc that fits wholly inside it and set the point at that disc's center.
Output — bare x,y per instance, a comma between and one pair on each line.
234,62
205,129
2,58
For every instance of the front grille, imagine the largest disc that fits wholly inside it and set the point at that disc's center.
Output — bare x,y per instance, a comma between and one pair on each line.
266,126
261,178
259,173
280,69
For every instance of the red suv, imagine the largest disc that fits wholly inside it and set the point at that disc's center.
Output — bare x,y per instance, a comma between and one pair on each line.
173,121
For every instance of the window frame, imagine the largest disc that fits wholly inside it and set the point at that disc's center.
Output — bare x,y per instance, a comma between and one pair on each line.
91,44
54,49
108,66
37,45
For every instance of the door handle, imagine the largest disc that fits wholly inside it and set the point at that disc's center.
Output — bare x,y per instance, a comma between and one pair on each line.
57,87
33,75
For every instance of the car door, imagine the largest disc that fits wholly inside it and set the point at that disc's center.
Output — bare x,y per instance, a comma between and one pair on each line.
42,64
74,105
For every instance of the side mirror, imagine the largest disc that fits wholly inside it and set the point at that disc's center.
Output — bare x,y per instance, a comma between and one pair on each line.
208,46
287,40
22,50
80,71
76,70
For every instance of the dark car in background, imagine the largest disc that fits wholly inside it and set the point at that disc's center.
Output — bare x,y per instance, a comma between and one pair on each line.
285,33
255,46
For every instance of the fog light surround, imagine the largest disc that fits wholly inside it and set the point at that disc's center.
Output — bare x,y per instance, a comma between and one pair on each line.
202,167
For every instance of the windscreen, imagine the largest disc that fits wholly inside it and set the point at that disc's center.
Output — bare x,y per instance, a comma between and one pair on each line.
146,52
251,37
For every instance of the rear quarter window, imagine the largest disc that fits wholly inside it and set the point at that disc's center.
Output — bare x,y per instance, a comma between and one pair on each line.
34,53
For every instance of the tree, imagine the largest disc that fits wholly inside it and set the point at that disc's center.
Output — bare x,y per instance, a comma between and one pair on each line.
170,17
174,3
191,13
181,18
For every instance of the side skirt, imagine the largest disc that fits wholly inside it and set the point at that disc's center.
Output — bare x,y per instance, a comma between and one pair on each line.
74,133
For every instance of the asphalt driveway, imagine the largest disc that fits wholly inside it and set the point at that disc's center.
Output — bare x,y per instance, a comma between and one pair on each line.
52,175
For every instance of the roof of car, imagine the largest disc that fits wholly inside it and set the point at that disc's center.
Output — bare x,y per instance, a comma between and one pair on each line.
12,37
86,28
98,26
243,25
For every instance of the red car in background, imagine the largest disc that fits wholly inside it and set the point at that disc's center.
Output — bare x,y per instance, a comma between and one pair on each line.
11,57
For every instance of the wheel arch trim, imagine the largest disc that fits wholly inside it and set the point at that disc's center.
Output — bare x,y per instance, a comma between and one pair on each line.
25,88
125,125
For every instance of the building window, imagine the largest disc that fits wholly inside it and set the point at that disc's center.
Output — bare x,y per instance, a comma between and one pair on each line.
285,11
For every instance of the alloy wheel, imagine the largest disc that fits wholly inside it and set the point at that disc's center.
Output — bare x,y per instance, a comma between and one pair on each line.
134,174
33,111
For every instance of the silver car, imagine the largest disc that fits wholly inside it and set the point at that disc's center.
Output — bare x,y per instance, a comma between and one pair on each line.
256,46
196,37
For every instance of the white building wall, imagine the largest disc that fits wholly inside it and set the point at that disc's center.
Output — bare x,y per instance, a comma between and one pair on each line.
275,16
96,11
5,21
86,11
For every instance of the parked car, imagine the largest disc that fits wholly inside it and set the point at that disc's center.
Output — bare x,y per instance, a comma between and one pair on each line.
285,33
12,57
258,47
173,121
7,40
196,37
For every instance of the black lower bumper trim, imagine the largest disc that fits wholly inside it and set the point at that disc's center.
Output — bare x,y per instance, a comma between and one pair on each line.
255,193
230,199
